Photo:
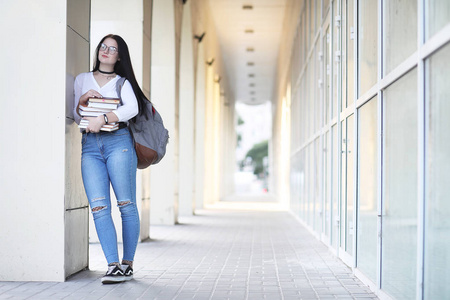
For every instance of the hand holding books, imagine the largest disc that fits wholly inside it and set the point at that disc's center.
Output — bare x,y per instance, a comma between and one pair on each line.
97,107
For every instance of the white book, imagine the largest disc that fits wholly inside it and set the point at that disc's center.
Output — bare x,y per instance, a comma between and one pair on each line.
103,105
97,109
91,113
103,128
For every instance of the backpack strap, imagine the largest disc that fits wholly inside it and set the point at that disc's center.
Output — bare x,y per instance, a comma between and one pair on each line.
119,85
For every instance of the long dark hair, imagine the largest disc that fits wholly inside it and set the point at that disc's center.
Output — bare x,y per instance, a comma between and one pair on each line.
124,68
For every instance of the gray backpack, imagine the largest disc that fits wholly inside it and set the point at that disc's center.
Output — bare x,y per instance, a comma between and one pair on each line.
149,134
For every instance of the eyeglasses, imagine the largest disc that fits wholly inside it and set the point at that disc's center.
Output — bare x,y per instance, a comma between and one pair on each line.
112,49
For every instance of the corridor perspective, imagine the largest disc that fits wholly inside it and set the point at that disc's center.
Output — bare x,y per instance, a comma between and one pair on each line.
347,98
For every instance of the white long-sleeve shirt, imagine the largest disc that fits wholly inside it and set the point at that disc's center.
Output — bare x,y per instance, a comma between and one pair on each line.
86,81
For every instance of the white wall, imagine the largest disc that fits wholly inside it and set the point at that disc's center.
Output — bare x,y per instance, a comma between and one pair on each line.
32,122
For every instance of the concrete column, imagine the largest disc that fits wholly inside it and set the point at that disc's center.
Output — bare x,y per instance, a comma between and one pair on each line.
76,203
164,176
43,232
187,158
146,72
209,157
200,86
217,141
228,149
126,19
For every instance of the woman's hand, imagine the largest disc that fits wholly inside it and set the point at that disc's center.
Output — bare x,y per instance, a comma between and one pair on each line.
84,99
89,94
95,123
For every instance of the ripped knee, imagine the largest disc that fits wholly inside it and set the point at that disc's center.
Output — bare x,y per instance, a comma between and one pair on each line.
123,203
98,208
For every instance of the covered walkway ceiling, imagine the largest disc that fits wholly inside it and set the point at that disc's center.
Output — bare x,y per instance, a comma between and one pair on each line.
249,35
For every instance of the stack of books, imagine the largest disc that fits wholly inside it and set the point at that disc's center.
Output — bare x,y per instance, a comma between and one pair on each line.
97,107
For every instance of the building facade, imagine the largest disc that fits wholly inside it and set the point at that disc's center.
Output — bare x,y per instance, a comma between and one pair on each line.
363,84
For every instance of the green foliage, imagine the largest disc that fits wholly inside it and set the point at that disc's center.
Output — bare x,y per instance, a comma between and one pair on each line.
257,154
240,121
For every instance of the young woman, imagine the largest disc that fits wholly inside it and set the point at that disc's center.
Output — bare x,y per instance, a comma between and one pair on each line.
109,157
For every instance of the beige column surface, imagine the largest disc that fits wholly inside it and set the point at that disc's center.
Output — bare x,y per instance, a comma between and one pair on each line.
164,175
76,204
32,155
187,116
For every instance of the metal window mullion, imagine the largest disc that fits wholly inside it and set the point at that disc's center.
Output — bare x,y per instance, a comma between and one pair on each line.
380,143
421,152
355,169
356,117
339,133
329,171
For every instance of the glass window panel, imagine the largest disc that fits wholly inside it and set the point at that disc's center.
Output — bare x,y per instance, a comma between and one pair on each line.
310,180
294,122
344,41
312,95
437,221
438,16
310,99
399,220
306,188
327,63
303,38
318,112
350,59
326,4
317,176
295,184
306,198
349,184
334,188
368,45
343,217
308,26
400,32
335,65
313,19
302,184
367,189
305,113
318,15
327,187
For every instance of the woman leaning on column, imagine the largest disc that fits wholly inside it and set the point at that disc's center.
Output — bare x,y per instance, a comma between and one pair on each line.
109,157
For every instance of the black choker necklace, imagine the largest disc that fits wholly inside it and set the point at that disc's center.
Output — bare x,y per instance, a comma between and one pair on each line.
103,72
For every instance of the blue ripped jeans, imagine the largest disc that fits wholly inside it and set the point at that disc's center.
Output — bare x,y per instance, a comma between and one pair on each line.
109,157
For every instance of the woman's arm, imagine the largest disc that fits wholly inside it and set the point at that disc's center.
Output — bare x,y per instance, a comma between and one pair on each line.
129,107
81,99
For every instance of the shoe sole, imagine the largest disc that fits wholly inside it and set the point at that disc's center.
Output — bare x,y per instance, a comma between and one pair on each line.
129,277
116,279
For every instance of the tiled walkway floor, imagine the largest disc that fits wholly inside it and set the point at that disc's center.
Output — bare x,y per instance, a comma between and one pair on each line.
217,254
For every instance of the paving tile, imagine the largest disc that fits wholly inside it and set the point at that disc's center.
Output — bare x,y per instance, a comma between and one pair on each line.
219,255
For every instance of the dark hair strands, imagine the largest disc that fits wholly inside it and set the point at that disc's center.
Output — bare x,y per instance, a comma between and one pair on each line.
124,68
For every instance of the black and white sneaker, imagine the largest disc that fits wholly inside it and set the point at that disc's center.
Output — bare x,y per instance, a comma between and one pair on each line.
127,271
113,275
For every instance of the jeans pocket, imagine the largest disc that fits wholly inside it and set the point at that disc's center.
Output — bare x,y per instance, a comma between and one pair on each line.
83,139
